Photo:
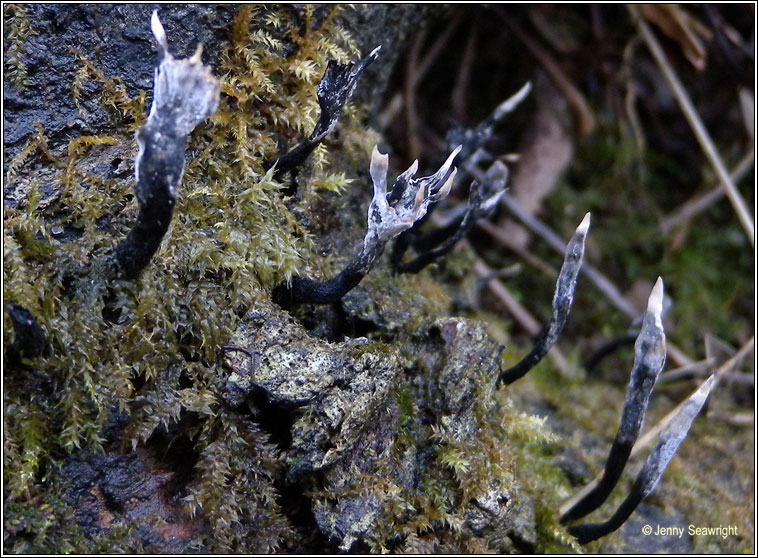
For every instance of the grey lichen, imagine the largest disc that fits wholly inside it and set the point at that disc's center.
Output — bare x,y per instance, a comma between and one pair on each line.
433,473
333,392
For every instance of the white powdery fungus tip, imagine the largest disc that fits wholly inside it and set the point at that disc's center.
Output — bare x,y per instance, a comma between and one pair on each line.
655,302
447,186
421,195
158,32
704,390
584,226
378,169
197,57
450,159
512,102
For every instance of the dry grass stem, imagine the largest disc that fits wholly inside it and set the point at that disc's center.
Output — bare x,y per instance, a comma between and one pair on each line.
702,135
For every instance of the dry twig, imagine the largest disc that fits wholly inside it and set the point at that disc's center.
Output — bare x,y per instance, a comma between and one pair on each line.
584,117
700,203
696,123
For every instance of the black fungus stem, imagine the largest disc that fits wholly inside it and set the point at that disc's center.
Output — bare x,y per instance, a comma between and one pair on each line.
389,215
612,346
562,300
649,358
28,336
160,172
482,200
303,289
184,94
588,532
335,88
453,234
672,437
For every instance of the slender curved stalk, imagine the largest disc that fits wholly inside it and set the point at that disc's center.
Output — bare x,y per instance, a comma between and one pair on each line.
650,474
389,214
335,88
649,358
562,300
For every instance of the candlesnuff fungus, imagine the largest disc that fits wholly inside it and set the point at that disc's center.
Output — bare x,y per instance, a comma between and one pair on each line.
627,338
472,139
483,195
184,94
562,299
483,198
335,88
668,443
389,214
649,358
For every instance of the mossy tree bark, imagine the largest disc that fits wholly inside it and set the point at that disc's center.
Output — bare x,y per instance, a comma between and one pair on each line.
227,426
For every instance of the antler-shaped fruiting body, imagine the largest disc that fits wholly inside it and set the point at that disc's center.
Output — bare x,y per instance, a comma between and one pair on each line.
562,300
668,443
389,214
335,88
184,94
483,194
483,198
649,358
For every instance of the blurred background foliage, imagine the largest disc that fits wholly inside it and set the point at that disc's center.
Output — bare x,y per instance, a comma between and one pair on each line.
604,117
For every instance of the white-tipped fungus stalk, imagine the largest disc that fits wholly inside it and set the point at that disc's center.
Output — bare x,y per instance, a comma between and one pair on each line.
562,300
483,198
395,212
335,88
389,214
668,443
483,194
472,139
649,358
627,339
184,94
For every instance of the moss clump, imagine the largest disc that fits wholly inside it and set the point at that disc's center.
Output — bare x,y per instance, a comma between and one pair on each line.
147,351
17,31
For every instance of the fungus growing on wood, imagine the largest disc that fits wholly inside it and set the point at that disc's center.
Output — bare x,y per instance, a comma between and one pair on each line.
473,139
185,93
562,300
335,88
483,194
649,358
389,214
483,198
668,443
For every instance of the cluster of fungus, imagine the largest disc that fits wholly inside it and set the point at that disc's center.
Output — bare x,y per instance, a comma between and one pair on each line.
186,93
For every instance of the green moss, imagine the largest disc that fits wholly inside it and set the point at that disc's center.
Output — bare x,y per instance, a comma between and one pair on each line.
136,346
17,30
45,526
